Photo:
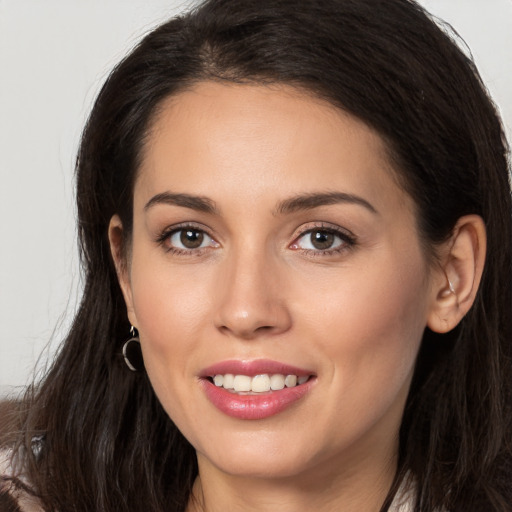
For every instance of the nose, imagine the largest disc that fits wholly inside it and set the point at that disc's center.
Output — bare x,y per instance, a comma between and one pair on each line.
251,298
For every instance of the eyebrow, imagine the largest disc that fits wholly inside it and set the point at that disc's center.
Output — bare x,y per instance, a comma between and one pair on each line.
199,203
315,200
296,203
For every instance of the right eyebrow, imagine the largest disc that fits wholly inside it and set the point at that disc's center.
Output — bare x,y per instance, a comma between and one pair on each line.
199,203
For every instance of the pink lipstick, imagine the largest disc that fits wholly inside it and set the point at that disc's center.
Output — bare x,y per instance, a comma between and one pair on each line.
256,389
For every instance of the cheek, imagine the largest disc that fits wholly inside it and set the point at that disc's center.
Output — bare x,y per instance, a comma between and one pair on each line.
371,327
170,308
168,305
169,314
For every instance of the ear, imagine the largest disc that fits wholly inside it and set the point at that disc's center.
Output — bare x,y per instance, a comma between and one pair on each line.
120,256
456,282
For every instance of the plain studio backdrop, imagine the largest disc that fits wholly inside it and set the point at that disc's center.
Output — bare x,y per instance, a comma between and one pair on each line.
54,56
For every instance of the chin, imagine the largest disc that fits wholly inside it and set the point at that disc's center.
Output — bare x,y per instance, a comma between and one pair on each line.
260,466
258,455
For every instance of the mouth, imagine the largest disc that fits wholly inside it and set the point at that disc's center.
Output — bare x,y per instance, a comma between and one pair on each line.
258,384
253,390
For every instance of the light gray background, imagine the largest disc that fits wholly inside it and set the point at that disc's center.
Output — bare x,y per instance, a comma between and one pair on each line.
54,55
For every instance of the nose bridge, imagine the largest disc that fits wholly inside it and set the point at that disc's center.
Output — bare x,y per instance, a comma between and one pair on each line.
251,301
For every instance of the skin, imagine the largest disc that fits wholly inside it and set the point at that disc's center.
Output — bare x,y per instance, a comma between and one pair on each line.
258,287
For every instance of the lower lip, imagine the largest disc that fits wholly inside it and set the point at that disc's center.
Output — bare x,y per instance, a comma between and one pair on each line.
254,407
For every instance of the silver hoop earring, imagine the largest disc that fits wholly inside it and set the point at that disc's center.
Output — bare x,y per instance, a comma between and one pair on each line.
132,353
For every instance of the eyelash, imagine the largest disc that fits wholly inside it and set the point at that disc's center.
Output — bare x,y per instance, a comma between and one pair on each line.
347,239
165,236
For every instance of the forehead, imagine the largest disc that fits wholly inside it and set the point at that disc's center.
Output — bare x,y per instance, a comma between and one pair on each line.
223,140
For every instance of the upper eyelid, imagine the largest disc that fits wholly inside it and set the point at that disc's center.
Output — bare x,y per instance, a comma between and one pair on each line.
304,229
165,235
169,230
348,239
319,226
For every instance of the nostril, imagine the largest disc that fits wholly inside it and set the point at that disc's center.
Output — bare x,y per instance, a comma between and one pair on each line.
248,332
264,328
248,319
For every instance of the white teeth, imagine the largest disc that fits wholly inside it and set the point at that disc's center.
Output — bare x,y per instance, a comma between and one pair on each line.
242,383
290,381
277,382
262,383
228,381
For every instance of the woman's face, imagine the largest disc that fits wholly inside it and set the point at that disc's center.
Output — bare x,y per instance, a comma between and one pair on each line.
271,239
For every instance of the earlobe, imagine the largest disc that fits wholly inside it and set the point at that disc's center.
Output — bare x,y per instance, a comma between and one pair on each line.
457,281
119,255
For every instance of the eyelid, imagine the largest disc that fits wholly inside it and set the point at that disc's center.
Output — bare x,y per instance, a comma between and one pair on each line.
323,226
167,232
347,237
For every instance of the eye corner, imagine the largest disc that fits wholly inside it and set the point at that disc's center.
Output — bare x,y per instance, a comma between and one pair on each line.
174,239
330,240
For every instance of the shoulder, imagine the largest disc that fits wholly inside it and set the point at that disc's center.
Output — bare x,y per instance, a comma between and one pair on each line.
405,498
13,495
14,488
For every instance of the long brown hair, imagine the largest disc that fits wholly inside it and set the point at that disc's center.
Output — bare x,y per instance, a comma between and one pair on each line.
107,443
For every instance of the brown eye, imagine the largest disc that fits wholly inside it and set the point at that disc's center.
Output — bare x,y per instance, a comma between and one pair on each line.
191,238
322,240
188,239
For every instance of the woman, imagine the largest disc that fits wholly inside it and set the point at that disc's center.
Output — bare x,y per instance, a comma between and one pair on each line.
301,212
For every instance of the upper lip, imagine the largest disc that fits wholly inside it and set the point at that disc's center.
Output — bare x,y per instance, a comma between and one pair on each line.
253,367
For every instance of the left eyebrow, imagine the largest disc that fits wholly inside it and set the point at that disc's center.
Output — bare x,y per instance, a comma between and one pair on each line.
314,200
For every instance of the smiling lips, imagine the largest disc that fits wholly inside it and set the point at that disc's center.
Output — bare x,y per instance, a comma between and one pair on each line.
252,390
